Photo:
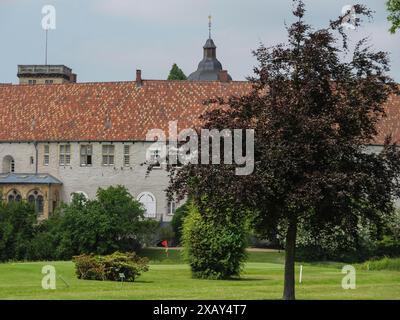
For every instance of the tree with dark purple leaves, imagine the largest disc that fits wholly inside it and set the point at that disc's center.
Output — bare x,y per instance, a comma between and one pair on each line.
315,106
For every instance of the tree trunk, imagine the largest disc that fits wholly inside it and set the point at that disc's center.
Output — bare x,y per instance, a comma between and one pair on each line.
290,248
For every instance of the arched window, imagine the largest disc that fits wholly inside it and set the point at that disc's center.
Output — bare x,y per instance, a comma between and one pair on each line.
149,204
14,196
8,164
39,203
36,198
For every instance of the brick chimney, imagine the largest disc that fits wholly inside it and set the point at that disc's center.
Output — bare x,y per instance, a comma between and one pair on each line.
223,76
139,81
73,78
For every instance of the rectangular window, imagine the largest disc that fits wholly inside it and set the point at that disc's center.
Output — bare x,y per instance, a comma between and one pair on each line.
108,155
127,158
65,155
171,208
86,155
175,156
32,81
46,156
155,156
48,81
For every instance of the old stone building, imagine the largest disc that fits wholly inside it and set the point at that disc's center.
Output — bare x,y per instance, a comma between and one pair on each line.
46,74
60,137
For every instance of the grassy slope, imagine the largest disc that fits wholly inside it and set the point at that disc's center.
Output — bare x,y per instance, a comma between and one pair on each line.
170,279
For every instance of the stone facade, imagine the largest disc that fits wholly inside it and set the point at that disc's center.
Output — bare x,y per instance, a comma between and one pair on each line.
87,179
45,74
34,80
50,193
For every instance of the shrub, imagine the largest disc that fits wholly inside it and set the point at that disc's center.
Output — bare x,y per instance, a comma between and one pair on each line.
90,267
17,221
214,250
330,244
367,240
130,264
389,246
46,239
177,221
382,264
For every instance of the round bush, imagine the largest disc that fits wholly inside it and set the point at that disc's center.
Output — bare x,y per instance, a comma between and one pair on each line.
214,250
91,267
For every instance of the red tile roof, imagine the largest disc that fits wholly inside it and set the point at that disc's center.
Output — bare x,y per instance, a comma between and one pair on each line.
80,112
390,125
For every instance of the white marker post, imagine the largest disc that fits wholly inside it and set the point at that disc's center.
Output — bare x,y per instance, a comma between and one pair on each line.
301,274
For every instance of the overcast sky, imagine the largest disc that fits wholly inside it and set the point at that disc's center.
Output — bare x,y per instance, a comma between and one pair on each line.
107,40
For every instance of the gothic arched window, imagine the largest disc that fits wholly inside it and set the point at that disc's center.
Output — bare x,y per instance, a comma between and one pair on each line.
36,198
14,196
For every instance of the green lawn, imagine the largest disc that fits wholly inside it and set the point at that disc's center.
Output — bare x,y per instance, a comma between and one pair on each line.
171,279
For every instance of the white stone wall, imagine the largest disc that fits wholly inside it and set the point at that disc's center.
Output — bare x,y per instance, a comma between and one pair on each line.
21,153
88,179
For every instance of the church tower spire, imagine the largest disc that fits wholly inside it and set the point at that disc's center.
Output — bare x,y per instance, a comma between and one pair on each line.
209,68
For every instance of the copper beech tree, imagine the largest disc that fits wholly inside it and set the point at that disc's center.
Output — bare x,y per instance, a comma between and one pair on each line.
315,106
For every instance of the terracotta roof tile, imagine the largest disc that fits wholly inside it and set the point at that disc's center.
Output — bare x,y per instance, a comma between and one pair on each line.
390,125
80,112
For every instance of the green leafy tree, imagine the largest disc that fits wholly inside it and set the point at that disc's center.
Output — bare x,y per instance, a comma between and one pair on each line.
111,222
313,113
17,221
176,73
394,16
335,244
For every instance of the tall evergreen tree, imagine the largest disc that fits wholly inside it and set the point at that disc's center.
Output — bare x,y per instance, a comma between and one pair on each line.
176,73
313,113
